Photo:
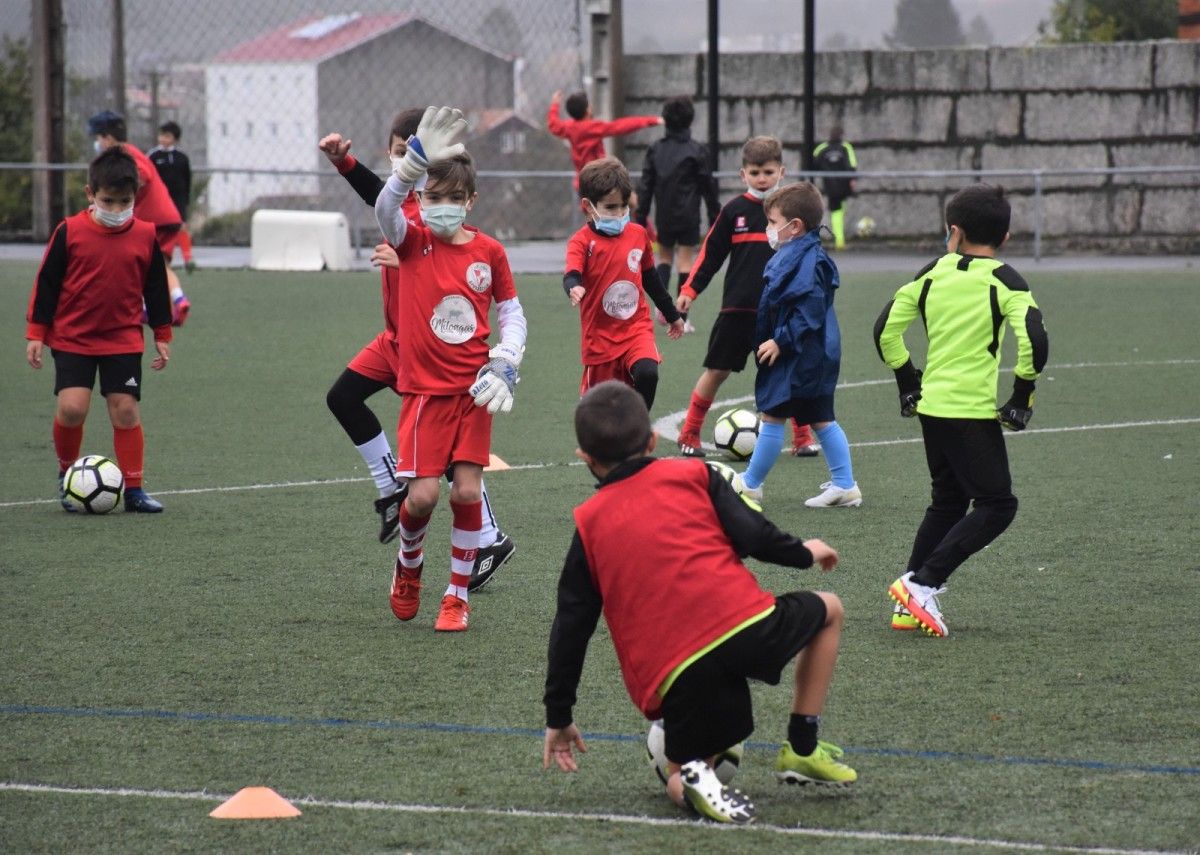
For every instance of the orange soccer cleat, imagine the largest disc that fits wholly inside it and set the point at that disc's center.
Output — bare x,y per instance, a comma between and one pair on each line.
406,591
453,615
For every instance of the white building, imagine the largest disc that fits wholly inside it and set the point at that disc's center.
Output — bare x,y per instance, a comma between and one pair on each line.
271,98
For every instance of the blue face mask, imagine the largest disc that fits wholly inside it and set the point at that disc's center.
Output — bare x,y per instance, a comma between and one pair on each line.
444,220
611,226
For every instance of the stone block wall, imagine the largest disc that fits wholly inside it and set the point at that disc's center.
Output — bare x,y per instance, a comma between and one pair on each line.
1045,107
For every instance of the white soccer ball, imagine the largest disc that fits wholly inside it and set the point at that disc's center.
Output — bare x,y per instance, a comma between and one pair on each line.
725,765
93,484
865,227
736,432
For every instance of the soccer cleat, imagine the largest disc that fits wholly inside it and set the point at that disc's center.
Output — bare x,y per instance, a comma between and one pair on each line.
836,497
62,494
712,799
388,508
689,445
490,559
406,591
138,501
811,449
823,767
921,602
754,494
453,615
804,444
902,619
189,265
179,310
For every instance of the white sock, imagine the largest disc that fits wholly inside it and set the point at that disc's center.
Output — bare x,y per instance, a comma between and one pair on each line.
490,532
377,454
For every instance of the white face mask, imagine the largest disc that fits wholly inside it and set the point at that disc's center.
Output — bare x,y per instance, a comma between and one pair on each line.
444,220
113,219
772,238
762,194
96,147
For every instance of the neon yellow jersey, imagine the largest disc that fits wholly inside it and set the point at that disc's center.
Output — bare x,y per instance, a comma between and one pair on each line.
964,301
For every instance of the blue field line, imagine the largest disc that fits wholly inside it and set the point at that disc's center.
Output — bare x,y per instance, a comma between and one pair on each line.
481,730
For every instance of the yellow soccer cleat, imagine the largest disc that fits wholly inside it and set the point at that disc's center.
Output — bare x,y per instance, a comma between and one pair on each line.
823,767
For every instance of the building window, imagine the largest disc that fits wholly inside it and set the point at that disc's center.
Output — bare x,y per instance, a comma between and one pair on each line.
224,129
512,142
249,130
273,128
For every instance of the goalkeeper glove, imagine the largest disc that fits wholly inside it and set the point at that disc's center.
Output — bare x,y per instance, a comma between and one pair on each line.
436,139
1016,413
908,378
495,383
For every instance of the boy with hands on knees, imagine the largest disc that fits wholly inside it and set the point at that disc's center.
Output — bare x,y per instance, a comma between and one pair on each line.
451,382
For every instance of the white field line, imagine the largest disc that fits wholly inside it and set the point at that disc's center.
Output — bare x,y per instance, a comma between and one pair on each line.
572,816
668,427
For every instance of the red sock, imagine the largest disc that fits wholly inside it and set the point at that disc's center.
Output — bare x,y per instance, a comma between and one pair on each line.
412,538
185,243
697,410
130,446
803,434
464,542
67,442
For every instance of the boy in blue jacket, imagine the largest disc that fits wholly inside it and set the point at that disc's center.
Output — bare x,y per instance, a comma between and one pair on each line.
798,347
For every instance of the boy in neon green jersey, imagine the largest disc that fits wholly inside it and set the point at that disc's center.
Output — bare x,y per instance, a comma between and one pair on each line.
964,298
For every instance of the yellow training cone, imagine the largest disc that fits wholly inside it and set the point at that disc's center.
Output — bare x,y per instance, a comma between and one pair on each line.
255,803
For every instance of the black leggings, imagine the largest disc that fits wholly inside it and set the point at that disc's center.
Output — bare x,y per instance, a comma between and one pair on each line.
347,401
644,375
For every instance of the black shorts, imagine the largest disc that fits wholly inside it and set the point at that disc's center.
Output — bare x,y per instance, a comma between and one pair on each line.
731,341
708,707
678,234
807,411
119,372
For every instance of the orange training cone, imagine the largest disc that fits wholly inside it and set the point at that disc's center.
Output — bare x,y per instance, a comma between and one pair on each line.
495,464
255,803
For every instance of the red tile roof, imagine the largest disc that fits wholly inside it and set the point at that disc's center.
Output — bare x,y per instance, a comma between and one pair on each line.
314,39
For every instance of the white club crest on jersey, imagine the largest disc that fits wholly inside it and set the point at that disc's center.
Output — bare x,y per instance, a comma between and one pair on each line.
479,277
634,260
620,300
453,319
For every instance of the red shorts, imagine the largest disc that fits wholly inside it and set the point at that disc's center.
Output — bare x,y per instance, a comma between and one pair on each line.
377,360
168,239
437,430
619,369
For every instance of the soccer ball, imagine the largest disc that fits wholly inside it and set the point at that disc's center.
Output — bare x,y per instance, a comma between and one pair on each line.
736,432
725,765
865,227
94,484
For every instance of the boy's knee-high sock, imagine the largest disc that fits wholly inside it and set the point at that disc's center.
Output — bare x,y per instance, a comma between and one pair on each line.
185,244
837,454
412,538
697,411
381,463
766,452
664,273
837,224
130,446
489,532
464,544
67,442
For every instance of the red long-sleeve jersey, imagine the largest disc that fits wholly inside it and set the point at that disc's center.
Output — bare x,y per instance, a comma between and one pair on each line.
153,201
587,135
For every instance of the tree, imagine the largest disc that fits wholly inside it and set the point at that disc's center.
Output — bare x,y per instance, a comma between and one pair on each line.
16,134
925,24
978,32
501,30
1110,21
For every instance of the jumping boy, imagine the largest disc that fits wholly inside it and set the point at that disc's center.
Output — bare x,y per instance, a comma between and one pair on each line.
374,367
689,622
153,202
609,269
798,347
586,134
101,267
676,176
964,299
739,234
451,382
175,170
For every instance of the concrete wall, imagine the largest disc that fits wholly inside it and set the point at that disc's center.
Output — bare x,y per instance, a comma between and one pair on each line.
1069,106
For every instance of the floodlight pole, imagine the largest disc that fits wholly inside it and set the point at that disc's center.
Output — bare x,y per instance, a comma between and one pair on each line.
48,95
714,89
116,72
810,27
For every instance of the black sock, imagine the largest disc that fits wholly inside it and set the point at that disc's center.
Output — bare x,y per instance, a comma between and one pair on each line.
802,733
682,277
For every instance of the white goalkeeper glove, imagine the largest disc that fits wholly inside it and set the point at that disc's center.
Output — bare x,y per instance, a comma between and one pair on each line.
436,139
495,383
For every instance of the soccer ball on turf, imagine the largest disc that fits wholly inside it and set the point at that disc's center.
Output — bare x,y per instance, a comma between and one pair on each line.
94,484
736,432
865,227
725,765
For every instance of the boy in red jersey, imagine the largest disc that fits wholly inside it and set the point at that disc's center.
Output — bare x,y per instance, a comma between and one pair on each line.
101,267
687,652
609,269
374,367
153,200
739,234
586,134
451,382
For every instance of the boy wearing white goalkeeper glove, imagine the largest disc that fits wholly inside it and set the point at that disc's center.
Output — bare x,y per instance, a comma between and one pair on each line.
496,382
